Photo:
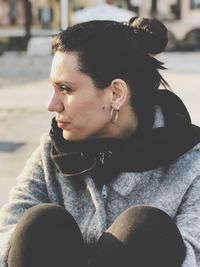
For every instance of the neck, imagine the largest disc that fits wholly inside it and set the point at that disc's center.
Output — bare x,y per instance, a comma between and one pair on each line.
125,126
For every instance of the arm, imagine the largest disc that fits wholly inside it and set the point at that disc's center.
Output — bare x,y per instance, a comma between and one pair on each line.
30,190
188,221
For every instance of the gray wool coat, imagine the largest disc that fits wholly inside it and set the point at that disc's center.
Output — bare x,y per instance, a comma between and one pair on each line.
174,188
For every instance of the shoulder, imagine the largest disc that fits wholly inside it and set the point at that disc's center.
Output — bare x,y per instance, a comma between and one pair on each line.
192,155
42,153
45,144
45,141
189,143
187,166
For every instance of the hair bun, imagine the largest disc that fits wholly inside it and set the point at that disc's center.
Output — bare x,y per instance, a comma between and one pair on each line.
152,34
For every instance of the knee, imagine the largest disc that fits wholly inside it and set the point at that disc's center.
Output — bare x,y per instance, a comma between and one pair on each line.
148,225
43,216
139,215
42,212
44,233
142,216
144,211
151,232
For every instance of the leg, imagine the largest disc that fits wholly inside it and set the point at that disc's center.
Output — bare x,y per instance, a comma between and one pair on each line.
142,236
47,236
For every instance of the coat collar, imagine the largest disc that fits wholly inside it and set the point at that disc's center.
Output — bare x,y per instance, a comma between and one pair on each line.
171,136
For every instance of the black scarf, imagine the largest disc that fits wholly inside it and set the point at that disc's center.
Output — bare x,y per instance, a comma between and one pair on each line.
145,150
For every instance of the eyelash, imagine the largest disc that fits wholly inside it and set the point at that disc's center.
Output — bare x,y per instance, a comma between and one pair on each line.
65,90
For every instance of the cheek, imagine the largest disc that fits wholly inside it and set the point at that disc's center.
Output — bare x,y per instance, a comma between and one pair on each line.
86,112
83,107
72,106
86,108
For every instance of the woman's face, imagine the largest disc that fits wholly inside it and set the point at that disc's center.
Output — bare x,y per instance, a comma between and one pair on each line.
82,110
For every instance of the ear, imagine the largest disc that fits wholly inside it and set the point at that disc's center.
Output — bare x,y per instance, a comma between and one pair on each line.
120,93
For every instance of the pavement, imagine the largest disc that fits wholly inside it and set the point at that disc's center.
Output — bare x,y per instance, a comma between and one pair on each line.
25,92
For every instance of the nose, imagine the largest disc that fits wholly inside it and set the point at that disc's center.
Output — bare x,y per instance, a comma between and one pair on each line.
55,104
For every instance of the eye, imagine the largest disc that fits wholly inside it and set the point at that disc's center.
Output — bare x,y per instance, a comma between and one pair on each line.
65,89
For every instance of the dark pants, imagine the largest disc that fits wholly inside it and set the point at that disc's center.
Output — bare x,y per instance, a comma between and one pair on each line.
142,236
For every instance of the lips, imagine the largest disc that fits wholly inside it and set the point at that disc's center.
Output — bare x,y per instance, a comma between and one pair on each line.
61,124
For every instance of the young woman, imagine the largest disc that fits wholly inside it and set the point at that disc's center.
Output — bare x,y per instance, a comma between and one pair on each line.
116,181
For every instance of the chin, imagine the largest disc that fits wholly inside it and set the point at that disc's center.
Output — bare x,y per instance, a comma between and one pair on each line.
67,136
71,137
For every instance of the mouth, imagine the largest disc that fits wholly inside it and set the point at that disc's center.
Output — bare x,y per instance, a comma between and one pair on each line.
61,124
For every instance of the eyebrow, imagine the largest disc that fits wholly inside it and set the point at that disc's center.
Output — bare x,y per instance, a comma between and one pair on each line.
62,82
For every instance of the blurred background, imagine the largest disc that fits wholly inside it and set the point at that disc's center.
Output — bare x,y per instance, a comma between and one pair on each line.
26,27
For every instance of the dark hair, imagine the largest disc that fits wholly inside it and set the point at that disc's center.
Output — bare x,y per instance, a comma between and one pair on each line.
110,49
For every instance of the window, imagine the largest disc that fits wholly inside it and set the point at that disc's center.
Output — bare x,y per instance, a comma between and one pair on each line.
195,4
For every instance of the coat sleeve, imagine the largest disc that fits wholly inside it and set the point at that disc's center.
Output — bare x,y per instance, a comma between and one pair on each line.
188,222
29,191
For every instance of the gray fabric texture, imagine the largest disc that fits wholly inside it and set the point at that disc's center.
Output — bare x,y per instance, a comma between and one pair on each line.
174,188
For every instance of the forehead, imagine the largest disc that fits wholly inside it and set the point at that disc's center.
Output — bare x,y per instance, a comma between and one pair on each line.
64,65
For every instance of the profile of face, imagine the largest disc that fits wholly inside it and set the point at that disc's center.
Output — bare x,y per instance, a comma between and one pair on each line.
82,110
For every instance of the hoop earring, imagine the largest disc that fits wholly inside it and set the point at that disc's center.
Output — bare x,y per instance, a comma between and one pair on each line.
114,115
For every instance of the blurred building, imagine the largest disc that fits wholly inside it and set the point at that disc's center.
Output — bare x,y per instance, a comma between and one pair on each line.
11,12
47,13
44,13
